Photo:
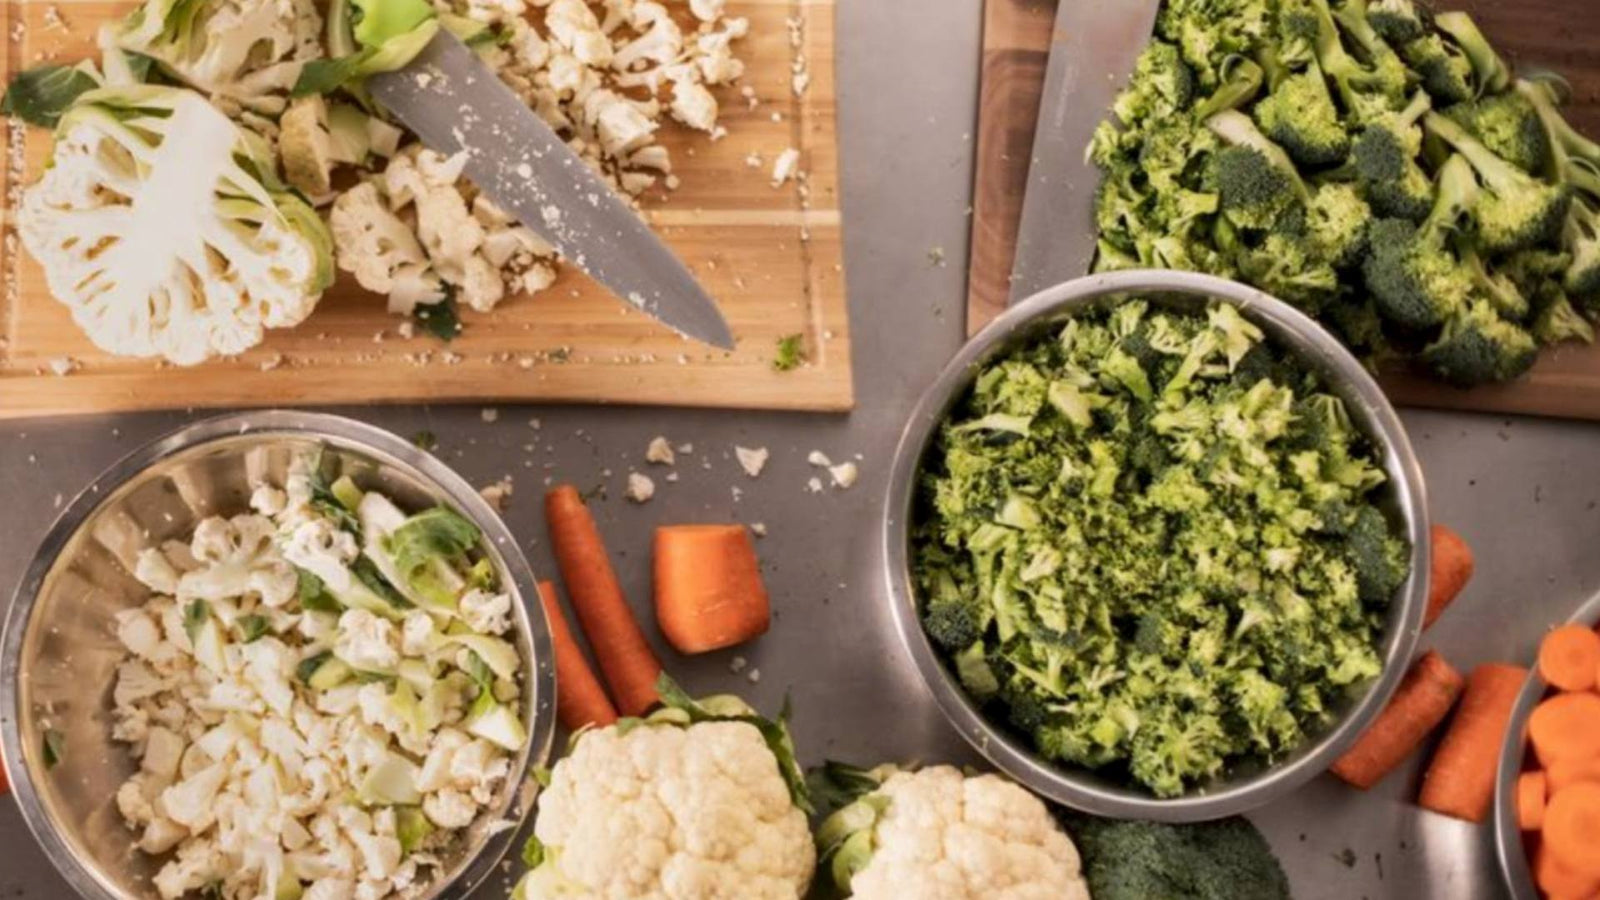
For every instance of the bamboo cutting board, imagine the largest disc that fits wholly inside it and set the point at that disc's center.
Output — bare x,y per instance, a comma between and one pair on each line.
1016,43
772,257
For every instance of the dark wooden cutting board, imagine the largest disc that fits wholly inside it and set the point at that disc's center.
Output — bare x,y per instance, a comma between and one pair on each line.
1554,34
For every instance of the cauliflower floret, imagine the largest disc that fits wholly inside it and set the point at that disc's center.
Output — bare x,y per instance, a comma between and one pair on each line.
661,42
325,550
381,250
572,24
170,247
155,571
944,835
418,636
449,808
693,105
367,642
305,147
138,632
249,51
133,800
705,808
238,558
485,612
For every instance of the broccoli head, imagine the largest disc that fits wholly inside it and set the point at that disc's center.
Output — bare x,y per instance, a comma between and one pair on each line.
1562,137
1445,70
1291,268
1478,347
1398,21
1514,210
1581,237
1134,860
954,618
1384,159
1491,72
1255,181
1507,124
1299,114
1414,278
1210,31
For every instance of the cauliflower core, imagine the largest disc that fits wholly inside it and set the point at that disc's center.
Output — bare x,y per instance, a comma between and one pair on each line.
169,247
946,836
661,812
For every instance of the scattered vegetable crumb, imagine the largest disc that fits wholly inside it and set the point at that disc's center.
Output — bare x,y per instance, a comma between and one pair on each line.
783,168
497,494
791,352
752,460
660,452
844,474
640,487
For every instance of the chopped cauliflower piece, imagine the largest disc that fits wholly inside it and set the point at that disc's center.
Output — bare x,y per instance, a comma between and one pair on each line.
752,460
660,452
640,487
784,167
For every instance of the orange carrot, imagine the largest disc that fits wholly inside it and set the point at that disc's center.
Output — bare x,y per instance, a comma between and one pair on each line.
709,593
580,701
1420,703
629,665
1452,568
1572,827
1560,881
1460,780
1530,800
1565,727
1570,771
1569,658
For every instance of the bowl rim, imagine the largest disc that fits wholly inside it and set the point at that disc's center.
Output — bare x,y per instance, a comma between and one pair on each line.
340,432
1079,789
1509,845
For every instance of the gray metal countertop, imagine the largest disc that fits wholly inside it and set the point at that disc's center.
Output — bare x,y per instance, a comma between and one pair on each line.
1524,492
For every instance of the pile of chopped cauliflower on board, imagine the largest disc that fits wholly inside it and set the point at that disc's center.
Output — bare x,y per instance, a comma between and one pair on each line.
321,694
289,172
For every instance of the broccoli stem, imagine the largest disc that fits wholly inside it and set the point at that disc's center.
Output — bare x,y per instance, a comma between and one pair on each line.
1236,128
1457,191
1565,141
1493,74
1241,80
1497,174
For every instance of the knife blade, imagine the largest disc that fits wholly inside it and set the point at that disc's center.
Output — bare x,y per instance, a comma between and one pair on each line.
1093,48
454,102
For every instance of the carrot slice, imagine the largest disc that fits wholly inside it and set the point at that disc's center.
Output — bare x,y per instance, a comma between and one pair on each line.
1565,727
1530,800
1451,570
1572,827
1569,658
1570,771
709,593
629,665
1560,881
580,701
1420,703
1460,780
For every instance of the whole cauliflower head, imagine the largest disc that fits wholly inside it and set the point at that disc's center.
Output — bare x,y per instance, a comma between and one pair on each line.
183,248
668,810
938,834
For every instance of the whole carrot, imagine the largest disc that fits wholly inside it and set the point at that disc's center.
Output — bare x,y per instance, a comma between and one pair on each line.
1460,780
1422,701
629,665
1451,570
580,701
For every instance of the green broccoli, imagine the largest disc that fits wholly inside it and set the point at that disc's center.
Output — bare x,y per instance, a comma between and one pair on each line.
1562,138
1478,347
1514,210
1414,279
1367,91
1377,557
1388,72
1296,28
1559,321
1241,79
1398,21
1498,288
1162,85
1580,237
1210,31
1509,125
1384,161
1292,269
1299,114
1255,180
1445,70
1134,860
1336,221
1491,72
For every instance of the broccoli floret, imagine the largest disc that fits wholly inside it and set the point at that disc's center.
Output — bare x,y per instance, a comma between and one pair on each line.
1296,28
1377,557
1133,860
1581,237
1210,31
1367,91
1291,268
1398,21
1241,81
1492,73
1532,270
1359,325
1415,280
1445,70
1509,125
1478,347
1255,180
1514,210
953,618
1388,73
1336,221
1559,321
1162,85
1385,164
1561,137
1499,289
1299,114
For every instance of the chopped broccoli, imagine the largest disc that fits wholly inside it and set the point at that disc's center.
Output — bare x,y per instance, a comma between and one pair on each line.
1514,210
1388,73
1398,21
1414,279
1561,136
955,619
1241,81
1209,32
1299,114
1509,125
1478,347
1445,70
1337,220
1133,860
1559,321
1491,72
1498,288
1256,182
791,353
1581,238
1367,90
1162,85
1385,163
1376,556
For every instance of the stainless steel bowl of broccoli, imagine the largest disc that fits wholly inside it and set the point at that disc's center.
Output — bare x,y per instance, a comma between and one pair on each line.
1158,545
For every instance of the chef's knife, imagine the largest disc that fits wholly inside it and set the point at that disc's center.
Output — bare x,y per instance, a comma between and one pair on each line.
1093,48
454,102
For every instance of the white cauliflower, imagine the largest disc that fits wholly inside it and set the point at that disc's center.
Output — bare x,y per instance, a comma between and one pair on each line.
239,558
937,834
245,51
381,250
174,248
690,804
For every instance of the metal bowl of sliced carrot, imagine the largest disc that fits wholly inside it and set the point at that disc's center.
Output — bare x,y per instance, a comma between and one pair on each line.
1547,794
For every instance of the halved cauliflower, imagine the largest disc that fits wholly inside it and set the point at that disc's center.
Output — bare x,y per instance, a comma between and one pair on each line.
937,834
160,225
701,801
248,52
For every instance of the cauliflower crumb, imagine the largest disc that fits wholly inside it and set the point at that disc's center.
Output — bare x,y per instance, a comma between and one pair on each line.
490,414
819,459
844,474
814,485
784,167
759,529
660,452
640,488
752,460
498,493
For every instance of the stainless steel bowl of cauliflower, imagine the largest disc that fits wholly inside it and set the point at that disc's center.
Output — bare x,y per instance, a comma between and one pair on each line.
276,655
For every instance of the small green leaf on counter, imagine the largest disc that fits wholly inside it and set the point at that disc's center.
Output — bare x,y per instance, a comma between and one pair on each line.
440,319
40,95
791,353
425,440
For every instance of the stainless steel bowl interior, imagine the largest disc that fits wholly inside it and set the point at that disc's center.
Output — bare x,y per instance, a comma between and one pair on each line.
1509,846
60,651
1247,786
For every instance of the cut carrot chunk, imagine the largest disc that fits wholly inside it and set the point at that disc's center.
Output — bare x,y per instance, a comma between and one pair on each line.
1530,800
1565,727
1572,771
709,593
1460,780
1560,881
1569,658
1420,703
1572,828
1451,570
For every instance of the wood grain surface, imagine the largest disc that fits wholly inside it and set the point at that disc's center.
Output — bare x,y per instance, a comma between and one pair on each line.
1559,35
772,257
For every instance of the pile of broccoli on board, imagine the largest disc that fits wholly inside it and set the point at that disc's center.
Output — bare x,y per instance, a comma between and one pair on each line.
1373,163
